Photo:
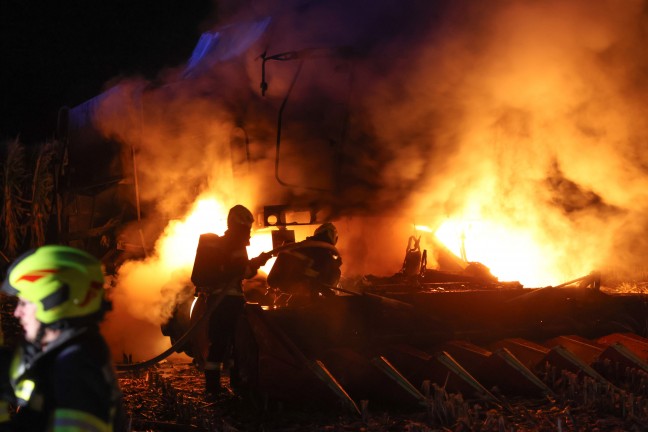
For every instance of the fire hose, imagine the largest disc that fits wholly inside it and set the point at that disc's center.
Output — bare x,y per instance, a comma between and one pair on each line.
212,307
178,344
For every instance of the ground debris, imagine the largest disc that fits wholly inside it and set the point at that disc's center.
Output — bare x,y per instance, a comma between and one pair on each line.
170,397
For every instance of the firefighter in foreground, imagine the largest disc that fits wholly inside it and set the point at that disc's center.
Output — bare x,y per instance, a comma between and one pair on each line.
220,266
62,376
309,272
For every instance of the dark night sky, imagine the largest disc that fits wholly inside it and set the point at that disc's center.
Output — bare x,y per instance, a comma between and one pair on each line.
56,53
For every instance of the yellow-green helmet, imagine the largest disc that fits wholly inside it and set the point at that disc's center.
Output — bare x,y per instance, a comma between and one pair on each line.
65,283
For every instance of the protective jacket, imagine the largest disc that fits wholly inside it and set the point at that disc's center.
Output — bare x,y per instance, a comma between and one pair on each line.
307,270
68,386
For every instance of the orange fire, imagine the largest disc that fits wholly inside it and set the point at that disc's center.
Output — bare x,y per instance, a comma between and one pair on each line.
178,245
149,288
511,253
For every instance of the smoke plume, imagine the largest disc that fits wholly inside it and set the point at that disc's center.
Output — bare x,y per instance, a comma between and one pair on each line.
520,118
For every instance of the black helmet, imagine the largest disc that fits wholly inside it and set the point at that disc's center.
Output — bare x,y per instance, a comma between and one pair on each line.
327,232
239,215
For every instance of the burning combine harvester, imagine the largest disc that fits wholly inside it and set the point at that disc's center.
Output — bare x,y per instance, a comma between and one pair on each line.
393,340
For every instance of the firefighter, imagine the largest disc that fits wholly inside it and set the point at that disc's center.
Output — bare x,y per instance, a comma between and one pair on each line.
62,374
220,265
309,271
326,262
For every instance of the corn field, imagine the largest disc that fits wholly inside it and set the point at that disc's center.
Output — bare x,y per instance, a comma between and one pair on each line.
29,183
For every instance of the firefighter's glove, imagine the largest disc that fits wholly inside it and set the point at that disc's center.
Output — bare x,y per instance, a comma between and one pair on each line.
263,258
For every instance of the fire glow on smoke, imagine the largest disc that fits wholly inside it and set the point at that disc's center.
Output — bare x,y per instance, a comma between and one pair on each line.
169,269
178,245
515,130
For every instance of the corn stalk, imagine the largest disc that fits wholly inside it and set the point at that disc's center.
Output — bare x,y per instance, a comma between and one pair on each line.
42,199
14,208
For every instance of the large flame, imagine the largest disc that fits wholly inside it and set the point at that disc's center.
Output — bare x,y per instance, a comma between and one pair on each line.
512,254
178,245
